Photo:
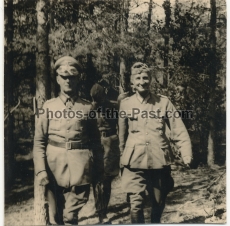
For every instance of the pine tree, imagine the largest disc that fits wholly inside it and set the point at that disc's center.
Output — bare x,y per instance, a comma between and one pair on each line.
212,74
8,75
167,8
42,55
42,94
124,28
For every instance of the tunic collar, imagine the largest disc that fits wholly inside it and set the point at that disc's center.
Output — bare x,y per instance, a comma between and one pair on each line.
64,97
141,99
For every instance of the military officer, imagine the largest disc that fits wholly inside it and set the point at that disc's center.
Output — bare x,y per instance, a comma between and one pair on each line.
107,159
146,154
63,146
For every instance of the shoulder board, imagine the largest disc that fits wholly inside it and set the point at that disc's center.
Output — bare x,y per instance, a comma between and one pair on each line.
87,101
162,95
50,100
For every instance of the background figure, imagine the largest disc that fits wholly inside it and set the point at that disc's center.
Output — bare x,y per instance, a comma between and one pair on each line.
106,160
129,93
146,153
63,147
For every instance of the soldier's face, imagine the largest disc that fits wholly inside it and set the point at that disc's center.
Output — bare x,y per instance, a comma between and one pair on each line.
141,82
68,84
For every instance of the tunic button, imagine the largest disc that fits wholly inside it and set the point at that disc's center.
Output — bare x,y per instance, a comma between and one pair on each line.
146,133
160,132
147,143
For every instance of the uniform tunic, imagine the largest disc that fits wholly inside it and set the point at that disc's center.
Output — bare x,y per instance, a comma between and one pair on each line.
70,167
143,141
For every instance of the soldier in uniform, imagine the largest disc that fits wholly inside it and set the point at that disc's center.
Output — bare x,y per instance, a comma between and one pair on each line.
63,146
106,160
146,154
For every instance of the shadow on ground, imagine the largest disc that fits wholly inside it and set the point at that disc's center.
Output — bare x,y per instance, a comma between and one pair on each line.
187,203
114,209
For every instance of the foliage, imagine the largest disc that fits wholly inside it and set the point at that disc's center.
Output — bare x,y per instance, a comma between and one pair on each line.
189,84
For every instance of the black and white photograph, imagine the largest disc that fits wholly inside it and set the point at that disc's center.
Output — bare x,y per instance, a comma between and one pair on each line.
114,112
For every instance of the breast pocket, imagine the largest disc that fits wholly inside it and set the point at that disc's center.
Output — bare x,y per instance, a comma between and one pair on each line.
55,124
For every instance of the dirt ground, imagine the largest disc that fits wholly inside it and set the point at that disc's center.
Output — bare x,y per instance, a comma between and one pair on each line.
199,196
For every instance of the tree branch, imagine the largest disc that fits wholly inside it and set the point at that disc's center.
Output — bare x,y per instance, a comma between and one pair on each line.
12,110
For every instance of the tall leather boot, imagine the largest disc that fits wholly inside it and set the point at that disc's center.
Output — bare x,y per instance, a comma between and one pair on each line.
155,217
156,213
102,191
137,217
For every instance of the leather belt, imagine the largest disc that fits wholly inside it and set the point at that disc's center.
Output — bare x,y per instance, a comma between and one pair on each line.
69,145
108,133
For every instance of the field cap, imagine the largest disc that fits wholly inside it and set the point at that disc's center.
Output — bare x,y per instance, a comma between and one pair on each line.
139,68
67,66
97,92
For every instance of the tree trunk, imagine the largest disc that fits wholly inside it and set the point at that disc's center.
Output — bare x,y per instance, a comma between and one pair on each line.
124,28
166,6
53,83
8,75
42,94
42,56
212,73
148,47
150,14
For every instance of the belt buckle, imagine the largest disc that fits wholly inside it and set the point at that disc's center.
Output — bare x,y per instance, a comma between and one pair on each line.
68,145
103,134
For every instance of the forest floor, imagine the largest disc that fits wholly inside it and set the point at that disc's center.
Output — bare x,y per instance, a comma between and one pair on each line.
199,196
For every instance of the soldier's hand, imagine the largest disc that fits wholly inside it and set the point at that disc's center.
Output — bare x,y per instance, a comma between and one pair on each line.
187,160
42,178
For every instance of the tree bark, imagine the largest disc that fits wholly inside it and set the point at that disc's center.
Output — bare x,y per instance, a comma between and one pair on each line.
42,94
53,84
212,73
150,13
166,6
42,55
124,28
8,75
148,47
